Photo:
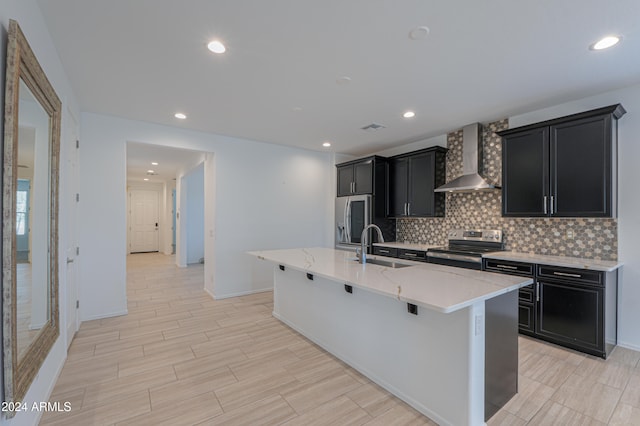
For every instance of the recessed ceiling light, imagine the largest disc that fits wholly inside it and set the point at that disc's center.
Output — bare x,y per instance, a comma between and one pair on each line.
419,33
150,171
605,43
409,114
343,80
154,163
146,179
180,115
326,144
216,46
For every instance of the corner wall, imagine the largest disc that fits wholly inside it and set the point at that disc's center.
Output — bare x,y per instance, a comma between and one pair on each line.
266,197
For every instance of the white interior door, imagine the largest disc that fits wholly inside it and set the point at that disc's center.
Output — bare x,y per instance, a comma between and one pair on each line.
72,251
144,220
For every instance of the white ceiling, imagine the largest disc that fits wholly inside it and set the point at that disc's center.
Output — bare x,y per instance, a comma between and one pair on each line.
170,161
483,60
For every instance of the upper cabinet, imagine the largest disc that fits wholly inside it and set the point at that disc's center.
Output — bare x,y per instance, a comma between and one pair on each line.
359,176
412,179
562,168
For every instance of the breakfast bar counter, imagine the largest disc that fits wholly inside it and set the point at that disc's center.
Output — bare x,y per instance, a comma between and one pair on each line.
442,339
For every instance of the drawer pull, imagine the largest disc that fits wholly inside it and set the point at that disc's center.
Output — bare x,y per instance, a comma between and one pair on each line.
566,274
411,254
506,267
383,251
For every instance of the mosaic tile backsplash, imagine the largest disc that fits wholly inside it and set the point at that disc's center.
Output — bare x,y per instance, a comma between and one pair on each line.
592,238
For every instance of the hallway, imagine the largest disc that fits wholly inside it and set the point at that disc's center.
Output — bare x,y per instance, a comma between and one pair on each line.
181,358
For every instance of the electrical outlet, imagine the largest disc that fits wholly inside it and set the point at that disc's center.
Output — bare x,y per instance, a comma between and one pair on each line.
478,325
570,234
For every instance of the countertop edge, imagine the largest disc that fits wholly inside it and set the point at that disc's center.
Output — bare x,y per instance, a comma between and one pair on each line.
437,308
560,261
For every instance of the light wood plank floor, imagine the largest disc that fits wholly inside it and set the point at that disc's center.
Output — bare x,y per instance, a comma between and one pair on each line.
181,358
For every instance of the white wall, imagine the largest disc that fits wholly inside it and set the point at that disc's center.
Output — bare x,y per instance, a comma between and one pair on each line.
266,196
195,214
28,15
167,214
628,200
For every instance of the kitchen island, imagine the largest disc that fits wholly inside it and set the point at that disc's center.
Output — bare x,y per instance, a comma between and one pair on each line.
442,339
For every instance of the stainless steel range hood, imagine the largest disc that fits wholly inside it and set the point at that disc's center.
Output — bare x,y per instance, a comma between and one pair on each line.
472,171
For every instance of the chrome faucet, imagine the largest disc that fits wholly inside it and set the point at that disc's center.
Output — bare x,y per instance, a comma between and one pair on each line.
362,256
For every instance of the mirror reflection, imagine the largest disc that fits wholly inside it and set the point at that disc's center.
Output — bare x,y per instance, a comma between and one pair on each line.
32,220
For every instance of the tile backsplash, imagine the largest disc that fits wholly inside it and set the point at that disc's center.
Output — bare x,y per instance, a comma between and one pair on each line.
593,238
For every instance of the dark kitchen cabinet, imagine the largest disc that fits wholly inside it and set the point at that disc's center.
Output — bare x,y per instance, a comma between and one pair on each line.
562,168
368,176
412,180
577,309
400,253
357,177
526,295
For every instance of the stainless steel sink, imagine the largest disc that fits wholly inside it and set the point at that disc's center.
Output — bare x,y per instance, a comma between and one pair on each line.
386,263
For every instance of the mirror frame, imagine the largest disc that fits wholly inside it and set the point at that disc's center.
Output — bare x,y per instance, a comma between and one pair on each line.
23,65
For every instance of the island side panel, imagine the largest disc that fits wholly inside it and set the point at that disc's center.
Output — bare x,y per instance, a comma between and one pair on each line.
433,361
501,351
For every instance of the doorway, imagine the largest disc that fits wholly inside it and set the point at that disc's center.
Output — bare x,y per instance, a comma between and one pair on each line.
23,195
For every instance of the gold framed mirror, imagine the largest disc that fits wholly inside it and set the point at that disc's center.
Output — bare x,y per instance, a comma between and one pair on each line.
30,218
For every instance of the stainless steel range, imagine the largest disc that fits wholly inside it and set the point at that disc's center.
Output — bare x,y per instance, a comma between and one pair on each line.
465,248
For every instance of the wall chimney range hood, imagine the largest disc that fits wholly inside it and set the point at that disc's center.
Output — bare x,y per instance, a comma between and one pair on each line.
472,171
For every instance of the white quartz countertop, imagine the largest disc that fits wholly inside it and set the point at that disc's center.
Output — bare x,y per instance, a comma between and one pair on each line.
441,288
407,246
563,261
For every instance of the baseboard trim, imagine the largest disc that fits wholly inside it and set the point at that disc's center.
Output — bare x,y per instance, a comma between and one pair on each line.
629,346
242,293
101,316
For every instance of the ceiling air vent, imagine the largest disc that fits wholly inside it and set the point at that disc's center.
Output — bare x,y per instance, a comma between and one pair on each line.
373,127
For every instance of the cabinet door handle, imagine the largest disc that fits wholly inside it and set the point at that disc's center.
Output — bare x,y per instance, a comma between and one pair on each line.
408,209
405,209
544,204
506,267
551,208
354,187
566,274
537,291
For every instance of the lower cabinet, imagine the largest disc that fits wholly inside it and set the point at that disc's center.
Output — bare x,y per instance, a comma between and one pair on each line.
526,295
578,309
401,253
385,251
575,308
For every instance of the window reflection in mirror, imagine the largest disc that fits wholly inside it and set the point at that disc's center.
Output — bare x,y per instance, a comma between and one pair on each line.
32,220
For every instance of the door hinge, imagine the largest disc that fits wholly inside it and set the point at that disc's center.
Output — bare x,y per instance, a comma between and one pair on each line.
77,197
77,304
77,251
77,143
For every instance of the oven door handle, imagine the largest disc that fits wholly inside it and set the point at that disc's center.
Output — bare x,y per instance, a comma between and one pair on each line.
461,257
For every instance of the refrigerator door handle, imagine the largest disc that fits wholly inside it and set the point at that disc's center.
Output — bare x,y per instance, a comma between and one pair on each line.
347,219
